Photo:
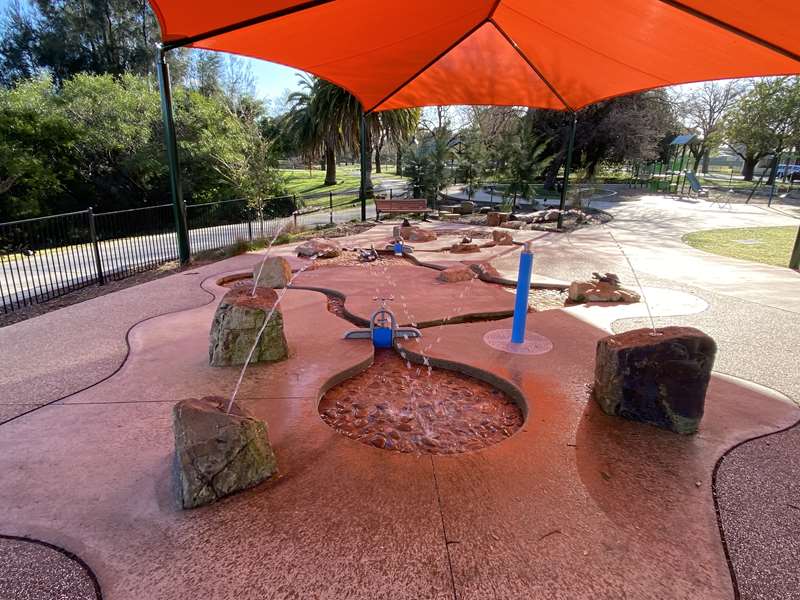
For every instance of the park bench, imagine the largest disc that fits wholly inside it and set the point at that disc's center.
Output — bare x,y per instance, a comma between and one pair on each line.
412,206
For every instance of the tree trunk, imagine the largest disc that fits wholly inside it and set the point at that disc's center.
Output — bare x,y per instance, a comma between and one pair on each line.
750,163
697,158
377,160
330,166
706,161
399,165
369,187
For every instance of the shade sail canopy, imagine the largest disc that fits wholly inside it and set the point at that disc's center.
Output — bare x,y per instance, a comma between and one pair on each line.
562,54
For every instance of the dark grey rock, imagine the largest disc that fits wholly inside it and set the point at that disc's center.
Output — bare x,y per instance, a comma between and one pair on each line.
660,380
218,454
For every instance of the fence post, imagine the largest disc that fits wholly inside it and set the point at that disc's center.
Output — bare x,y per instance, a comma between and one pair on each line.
390,193
93,235
330,200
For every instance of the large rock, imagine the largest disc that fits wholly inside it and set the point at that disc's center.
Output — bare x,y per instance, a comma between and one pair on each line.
600,291
275,272
484,269
494,219
464,248
236,324
660,380
516,224
456,274
218,454
319,248
412,233
502,238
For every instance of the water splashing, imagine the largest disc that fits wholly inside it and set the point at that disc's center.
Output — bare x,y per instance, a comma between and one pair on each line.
266,255
261,332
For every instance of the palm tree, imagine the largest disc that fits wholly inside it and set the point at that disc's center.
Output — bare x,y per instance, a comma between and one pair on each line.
326,118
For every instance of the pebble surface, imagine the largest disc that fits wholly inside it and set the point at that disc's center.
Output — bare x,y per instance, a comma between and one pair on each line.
399,406
32,571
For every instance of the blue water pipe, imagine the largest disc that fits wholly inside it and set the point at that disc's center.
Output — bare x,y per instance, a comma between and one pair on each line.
523,289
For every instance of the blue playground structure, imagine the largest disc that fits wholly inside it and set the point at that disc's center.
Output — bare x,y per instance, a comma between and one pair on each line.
383,329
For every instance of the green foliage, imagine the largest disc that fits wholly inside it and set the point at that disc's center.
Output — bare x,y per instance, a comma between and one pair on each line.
472,158
98,141
67,37
765,120
426,161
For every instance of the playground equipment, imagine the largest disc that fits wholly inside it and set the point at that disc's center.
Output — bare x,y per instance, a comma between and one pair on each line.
523,289
383,329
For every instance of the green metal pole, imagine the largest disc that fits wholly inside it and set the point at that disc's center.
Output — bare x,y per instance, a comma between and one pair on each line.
567,167
362,193
178,207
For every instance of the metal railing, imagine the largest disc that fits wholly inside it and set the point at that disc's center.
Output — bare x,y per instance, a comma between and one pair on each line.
47,257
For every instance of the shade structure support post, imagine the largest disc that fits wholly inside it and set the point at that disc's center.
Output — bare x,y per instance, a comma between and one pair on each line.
567,167
362,192
170,141
523,289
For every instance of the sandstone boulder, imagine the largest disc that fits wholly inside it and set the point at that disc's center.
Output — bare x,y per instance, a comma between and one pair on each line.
502,238
321,248
660,380
456,274
413,233
484,269
237,321
513,224
274,273
218,454
600,291
464,248
494,219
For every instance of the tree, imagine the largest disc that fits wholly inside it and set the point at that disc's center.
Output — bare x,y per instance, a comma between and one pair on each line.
97,140
67,37
325,119
704,110
764,122
629,128
425,162
472,158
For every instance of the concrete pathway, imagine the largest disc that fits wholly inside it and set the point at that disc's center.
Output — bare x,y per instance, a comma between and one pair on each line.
578,505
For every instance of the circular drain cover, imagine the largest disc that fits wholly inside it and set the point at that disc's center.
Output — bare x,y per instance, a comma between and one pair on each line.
500,339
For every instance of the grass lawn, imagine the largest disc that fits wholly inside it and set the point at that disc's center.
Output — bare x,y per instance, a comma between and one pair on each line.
769,245
303,181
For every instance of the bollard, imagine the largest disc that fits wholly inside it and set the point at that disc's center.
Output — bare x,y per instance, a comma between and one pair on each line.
523,288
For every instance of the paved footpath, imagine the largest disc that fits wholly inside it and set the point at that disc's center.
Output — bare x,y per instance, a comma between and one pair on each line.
90,472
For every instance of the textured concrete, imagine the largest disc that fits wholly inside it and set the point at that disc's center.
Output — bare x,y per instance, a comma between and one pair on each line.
419,297
61,352
576,505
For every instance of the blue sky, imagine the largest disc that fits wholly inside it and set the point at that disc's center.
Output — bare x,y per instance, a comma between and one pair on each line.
271,79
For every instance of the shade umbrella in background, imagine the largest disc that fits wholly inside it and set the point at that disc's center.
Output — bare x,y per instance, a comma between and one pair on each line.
561,55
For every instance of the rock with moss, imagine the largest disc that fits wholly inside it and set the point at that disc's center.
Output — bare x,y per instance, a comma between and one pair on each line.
274,272
216,453
237,322
657,379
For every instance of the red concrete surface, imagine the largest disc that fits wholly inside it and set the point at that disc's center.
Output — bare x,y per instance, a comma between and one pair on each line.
576,505
419,297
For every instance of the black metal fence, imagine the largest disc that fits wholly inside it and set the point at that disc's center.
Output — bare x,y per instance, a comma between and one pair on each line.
47,257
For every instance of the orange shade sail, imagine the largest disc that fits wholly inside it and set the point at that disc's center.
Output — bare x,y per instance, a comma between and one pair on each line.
562,54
